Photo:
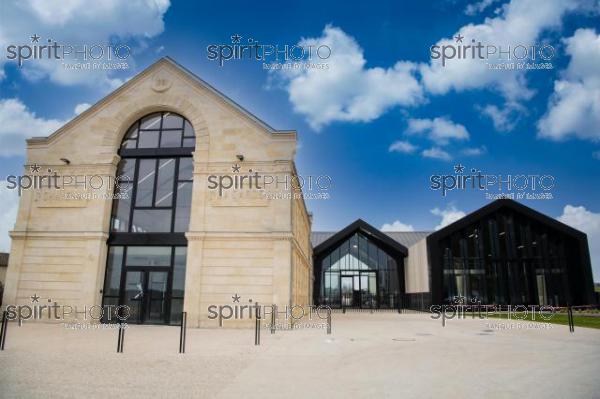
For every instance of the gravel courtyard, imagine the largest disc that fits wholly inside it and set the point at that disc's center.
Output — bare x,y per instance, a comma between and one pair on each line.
367,355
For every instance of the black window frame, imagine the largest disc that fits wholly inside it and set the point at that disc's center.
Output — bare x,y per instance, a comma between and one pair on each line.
173,239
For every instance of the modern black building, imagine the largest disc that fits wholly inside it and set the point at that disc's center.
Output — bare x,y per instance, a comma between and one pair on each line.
502,254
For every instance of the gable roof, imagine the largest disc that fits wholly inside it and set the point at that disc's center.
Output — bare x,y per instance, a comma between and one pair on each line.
365,228
406,238
164,61
510,204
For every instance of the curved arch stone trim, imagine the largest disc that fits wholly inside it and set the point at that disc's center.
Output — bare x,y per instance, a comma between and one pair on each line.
155,103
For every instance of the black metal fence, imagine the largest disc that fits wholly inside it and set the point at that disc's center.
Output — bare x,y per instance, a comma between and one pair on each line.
401,303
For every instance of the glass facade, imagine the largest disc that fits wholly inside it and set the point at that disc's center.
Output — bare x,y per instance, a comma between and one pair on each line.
358,273
149,280
150,214
506,259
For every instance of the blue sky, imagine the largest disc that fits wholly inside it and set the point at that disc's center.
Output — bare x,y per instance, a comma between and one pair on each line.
382,88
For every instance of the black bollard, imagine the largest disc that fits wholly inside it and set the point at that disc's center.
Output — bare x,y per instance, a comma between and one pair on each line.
571,321
3,329
120,338
273,310
182,332
257,326
329,322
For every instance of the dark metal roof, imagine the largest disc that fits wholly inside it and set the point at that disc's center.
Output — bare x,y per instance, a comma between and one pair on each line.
511,204
406,238
360,225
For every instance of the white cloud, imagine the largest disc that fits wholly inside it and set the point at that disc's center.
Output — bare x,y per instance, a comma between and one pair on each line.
397,226
518,22
325,96
474,151
436,153
588,222
78,22
480,6
79,108
449,215
348,90
403,146
574,108
439,130
18,123
8,214
506,118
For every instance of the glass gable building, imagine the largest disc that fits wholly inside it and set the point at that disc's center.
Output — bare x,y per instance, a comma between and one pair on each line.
508,254
502,254
359,267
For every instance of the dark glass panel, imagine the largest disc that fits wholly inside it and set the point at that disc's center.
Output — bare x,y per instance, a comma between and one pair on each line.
362,250
184,204
156,291
172,121
148,139
189,142
134,295
186,169
145,183
148,256
112,281
179,272
121,208
354,251
176,310
151,221
335,259
129,144
151,121
132,133
170,138
188,131
126,170
164,183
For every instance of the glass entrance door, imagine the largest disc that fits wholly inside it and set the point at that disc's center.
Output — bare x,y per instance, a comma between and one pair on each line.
347,291
368,289
134,295
146,295
359,289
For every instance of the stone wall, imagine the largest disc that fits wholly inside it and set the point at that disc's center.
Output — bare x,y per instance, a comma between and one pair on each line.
238,243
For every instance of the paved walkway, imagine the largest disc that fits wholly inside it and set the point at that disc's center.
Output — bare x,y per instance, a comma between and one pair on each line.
367,355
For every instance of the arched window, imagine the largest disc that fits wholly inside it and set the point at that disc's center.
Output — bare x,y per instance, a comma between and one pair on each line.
155,176
150,214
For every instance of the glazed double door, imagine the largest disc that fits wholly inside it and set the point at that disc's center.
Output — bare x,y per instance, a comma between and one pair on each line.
145,292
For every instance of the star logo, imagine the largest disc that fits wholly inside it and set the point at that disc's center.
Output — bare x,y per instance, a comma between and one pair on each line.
35,298
236,298
235,168
459,38
235,38
35,38
459,168
34,168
